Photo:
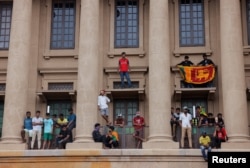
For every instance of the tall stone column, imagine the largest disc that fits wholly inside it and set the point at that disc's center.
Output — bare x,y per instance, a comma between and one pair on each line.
17,74
88,70
232,73
159,77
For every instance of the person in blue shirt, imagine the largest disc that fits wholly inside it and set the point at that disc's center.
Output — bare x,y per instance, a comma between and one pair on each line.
48,129
71,122
27,127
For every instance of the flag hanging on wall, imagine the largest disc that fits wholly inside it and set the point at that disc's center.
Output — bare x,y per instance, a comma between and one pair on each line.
197,74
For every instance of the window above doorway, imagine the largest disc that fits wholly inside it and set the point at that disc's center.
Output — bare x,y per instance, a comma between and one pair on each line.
192,21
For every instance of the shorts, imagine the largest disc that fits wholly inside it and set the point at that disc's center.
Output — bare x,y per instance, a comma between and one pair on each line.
139,133
28,132
47,136
104,111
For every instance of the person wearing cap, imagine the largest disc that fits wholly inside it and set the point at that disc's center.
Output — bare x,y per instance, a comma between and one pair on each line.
206,62
138,123
185,121
205,141
203,119
103,106
186,62
123,64
119,121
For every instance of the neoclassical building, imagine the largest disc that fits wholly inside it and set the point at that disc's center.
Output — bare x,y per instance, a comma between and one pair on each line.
56,54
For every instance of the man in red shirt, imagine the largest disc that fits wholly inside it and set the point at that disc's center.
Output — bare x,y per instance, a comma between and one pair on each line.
123,69
219,135
138,123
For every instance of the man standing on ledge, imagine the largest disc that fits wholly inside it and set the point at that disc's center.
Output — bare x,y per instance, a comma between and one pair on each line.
103,106
206,62
186,62
123,70
185,121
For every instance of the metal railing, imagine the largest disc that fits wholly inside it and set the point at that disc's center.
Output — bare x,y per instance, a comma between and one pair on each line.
196,133
126,139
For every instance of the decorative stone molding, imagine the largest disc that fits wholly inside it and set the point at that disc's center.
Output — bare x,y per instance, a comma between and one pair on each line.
208,93
57,94
117,53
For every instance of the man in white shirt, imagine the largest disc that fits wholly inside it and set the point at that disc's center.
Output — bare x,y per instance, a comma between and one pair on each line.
103,105
185,121
37,123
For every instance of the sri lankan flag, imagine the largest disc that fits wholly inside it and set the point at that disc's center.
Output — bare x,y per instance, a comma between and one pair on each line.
197,74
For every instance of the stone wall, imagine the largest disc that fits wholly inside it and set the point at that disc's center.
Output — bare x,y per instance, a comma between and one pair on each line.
114,158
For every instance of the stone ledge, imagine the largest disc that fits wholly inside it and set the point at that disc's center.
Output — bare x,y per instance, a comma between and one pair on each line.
86,145
106,158
8,147
160,145
112,152
236,145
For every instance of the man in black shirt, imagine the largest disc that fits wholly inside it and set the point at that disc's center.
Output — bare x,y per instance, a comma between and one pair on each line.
64,137
206,62
98,137
186,62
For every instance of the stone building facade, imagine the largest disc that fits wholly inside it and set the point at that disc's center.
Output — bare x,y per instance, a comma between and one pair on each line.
61,53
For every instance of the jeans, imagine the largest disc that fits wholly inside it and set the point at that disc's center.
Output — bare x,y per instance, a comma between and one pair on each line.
203,151
126,75
61,143
217,142
209,84
187,85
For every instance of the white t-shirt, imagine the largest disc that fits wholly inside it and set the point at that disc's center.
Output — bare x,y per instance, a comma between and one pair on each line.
102,101
185,120
37,120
